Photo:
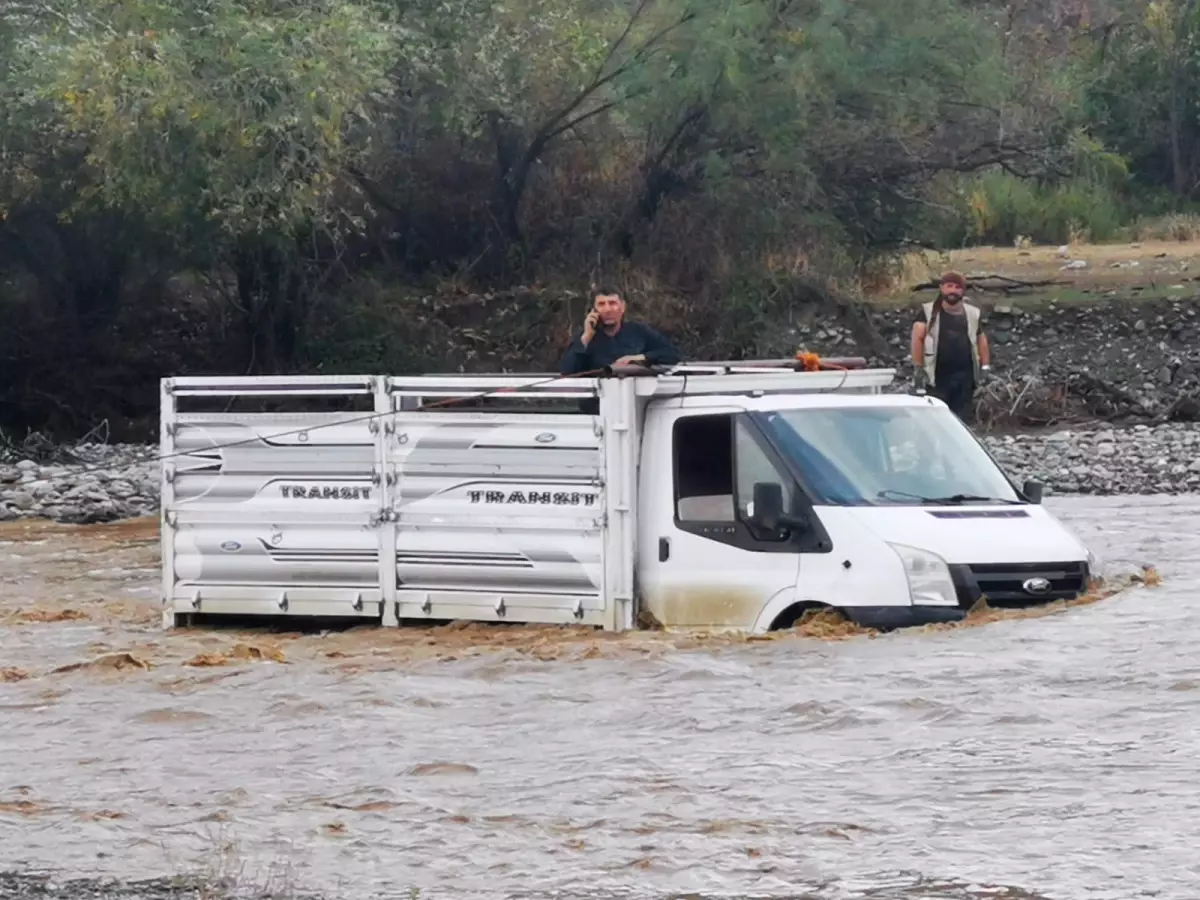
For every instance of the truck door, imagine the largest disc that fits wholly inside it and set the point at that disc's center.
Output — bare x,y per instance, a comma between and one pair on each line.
700,562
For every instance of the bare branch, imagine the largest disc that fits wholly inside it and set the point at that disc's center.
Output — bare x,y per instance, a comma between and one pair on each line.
552,127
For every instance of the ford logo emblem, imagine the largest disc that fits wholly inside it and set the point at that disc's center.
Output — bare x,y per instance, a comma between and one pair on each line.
1036,586
231,546
545,437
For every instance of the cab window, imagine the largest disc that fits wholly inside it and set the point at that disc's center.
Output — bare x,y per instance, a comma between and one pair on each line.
753,465
703,450
717,460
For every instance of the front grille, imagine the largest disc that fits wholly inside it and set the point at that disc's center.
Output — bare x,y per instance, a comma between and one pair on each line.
1004,583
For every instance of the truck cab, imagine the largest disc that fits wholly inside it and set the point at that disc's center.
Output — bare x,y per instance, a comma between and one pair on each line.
713,495
885,507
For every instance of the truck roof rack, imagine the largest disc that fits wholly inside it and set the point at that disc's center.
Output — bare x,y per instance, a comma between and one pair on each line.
803,362
762,377
767,376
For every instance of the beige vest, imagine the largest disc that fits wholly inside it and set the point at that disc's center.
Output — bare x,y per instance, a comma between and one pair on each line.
931,336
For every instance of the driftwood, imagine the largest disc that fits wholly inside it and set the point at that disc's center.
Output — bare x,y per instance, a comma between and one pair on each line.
1056,398
1181,409
1116,395
1022,401
1007,285
42,449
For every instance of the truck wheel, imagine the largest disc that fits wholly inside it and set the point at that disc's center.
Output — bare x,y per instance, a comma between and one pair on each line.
799,612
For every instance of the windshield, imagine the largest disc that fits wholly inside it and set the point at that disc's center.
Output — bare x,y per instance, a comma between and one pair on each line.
909,455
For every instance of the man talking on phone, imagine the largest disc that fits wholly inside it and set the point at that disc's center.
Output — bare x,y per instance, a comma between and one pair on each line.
608,340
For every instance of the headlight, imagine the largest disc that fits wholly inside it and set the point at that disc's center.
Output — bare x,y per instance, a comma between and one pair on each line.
929,581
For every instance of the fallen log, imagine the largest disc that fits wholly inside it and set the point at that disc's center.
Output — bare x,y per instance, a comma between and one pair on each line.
1008,286
1181,409
1110,390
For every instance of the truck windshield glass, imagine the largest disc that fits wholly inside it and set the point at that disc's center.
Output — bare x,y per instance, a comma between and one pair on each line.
914,455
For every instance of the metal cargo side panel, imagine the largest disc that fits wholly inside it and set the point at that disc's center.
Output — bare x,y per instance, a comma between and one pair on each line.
270,518
498,517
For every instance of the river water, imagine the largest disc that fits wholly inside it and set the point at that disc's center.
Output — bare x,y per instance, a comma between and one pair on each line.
1053,756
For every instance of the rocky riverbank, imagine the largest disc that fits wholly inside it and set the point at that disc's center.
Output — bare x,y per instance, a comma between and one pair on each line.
1109,359
16,886
30,886
107,483
1095,397
80,485
1104,461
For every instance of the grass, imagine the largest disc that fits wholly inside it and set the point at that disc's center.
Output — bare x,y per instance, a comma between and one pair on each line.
224,871
1179,227
1139,271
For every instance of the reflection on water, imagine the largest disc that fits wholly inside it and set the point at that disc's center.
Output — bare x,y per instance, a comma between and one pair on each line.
1054,753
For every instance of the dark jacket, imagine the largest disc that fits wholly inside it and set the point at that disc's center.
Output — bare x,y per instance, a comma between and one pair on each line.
632,339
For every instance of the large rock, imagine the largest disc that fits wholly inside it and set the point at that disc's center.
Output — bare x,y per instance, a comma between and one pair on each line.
85,484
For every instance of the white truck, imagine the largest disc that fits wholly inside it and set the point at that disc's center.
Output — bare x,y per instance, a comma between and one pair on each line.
718,495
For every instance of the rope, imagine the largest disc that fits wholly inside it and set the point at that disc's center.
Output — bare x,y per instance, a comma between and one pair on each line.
812,362
806,359
366,417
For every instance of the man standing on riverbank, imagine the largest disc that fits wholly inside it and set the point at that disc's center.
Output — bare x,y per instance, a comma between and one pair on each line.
949,349
608,340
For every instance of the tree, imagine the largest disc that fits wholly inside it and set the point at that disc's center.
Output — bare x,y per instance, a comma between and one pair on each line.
501,86
1146,98
226,125
717,153
847,111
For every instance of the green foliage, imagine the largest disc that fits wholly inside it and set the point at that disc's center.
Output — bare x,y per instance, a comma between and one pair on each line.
1003,208
236,113
1144,97
310,161
1090,201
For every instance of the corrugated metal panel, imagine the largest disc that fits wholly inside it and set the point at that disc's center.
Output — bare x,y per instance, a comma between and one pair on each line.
260,507
489,507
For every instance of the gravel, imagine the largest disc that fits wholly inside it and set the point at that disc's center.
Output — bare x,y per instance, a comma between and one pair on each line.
1139,460
81,485
26,886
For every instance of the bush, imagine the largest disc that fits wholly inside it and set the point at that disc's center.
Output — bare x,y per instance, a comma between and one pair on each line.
1182,226
1002,208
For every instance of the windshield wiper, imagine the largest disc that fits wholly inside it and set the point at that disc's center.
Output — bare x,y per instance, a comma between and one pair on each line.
974,498
889,494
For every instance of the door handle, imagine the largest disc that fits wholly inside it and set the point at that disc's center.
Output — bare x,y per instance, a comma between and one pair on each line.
664,549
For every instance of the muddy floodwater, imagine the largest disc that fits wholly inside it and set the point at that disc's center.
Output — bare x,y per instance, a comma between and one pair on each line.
1050,756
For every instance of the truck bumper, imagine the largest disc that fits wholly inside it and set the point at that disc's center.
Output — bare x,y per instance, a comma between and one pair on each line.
887,618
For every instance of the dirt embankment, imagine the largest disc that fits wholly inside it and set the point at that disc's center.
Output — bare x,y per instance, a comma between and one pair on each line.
1100,333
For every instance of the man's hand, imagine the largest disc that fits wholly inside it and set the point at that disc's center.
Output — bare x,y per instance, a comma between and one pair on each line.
640,360
589,327
984,377
920,379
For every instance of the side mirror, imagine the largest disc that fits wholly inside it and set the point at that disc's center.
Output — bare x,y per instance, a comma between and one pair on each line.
1033,491
768,505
